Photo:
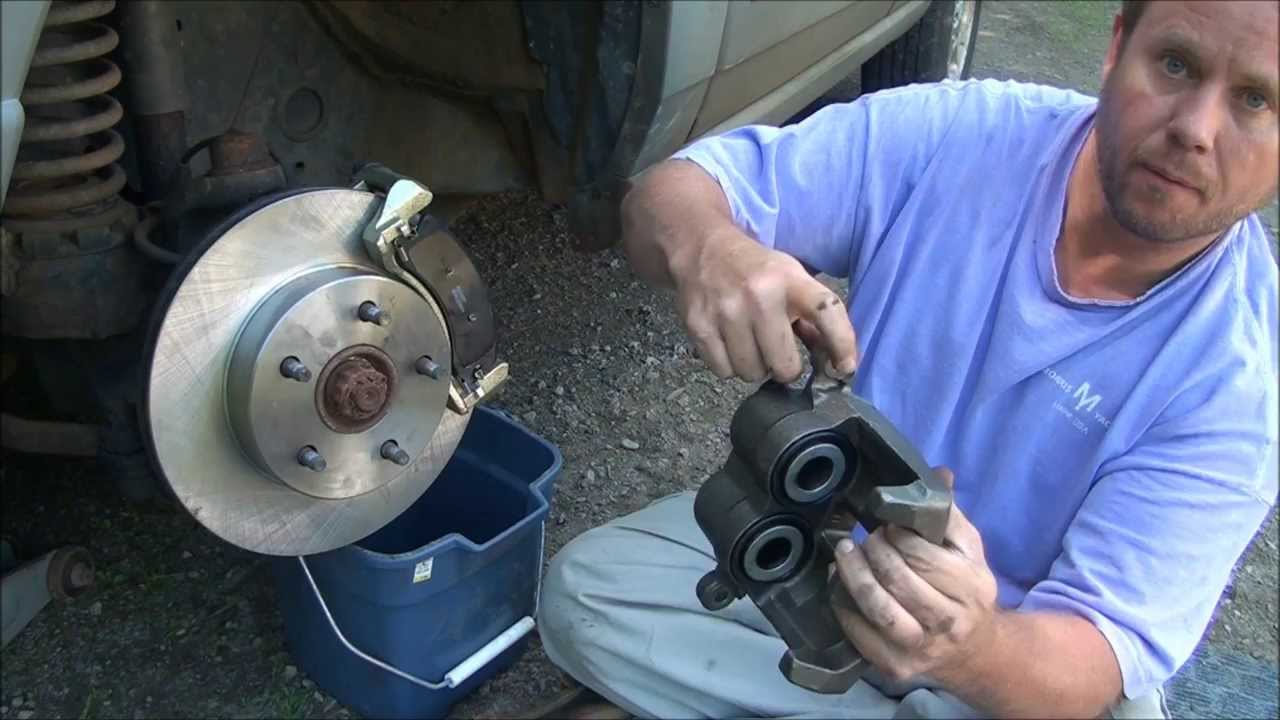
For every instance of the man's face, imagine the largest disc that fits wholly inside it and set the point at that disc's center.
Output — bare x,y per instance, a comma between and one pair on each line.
1187,123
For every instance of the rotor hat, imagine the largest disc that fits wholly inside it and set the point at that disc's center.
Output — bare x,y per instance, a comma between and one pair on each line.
282,370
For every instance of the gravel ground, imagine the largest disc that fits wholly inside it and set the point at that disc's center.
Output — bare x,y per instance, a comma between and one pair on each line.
183,625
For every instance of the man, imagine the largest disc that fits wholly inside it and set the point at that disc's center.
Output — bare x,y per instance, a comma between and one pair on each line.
1069,304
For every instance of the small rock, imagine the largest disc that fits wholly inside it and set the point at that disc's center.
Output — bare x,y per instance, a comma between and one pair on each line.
683,452
560,390
290,672
186,554
615,263
651,360
308,684
560,519
608,348
96,609
193,574
317,696
148,699
591,475
630,444
537,296
530,416
26,715
181,632
613,296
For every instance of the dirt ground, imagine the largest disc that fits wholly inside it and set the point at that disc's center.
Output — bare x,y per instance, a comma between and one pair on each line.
181,624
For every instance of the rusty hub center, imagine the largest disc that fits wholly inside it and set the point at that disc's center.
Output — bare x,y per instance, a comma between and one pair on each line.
355,389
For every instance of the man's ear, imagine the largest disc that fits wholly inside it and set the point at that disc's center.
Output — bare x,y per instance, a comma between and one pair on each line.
1117,45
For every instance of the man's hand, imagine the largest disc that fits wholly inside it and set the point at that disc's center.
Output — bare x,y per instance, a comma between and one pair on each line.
921,609
743,305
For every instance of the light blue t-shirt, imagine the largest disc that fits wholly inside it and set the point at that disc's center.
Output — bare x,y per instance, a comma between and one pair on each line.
1117,457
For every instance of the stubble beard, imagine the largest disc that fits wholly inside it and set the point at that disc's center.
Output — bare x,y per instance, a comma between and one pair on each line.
1155,226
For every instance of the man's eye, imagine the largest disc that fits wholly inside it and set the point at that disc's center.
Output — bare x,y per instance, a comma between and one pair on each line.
1174,66
1255,100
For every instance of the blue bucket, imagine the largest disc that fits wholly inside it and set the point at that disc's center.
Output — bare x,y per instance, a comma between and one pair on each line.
408,621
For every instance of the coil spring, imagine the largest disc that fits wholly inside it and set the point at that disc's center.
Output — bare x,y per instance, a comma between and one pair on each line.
66,168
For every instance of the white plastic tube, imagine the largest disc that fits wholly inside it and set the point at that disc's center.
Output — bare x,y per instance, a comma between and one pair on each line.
493,649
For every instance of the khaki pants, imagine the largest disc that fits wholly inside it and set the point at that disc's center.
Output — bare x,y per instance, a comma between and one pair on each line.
618,612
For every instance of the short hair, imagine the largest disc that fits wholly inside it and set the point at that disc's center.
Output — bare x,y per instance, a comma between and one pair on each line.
1130,12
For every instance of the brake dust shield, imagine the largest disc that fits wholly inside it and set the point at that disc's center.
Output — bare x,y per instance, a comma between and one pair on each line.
288,405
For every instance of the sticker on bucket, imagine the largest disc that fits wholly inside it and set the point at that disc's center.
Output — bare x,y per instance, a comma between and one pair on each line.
422,571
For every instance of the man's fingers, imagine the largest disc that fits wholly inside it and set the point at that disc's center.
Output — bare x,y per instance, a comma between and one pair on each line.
939,566
960,532
812,338
740,344
712,351
879,608
822,308
777,343
867,638
926,604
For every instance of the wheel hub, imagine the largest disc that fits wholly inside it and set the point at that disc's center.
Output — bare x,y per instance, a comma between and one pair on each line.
355,389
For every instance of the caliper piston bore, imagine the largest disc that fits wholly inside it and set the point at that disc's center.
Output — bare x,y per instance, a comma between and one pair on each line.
813,468
773,553
814,472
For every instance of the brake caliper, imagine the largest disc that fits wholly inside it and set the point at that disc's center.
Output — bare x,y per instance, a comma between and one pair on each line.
808,461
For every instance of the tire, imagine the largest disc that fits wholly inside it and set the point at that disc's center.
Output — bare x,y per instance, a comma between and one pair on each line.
925,52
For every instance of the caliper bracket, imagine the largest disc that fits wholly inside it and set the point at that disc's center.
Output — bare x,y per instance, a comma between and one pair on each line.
418,249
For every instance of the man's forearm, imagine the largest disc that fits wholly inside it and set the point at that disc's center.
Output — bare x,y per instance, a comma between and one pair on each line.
672,209
1039,664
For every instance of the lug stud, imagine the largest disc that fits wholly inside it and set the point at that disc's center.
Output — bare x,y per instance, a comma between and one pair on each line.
310,458
293,369
371,313
426,366
393,452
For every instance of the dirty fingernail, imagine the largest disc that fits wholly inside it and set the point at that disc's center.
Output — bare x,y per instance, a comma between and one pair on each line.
844,547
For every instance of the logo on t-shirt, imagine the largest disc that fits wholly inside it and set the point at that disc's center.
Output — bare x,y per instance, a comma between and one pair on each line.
1079,405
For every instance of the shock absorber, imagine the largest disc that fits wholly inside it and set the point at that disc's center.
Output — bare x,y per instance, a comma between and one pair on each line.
66,177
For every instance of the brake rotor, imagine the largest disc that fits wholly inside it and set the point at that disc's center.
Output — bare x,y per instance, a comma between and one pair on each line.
288,404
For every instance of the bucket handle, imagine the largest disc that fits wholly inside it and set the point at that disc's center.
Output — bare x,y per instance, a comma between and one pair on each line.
452,679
